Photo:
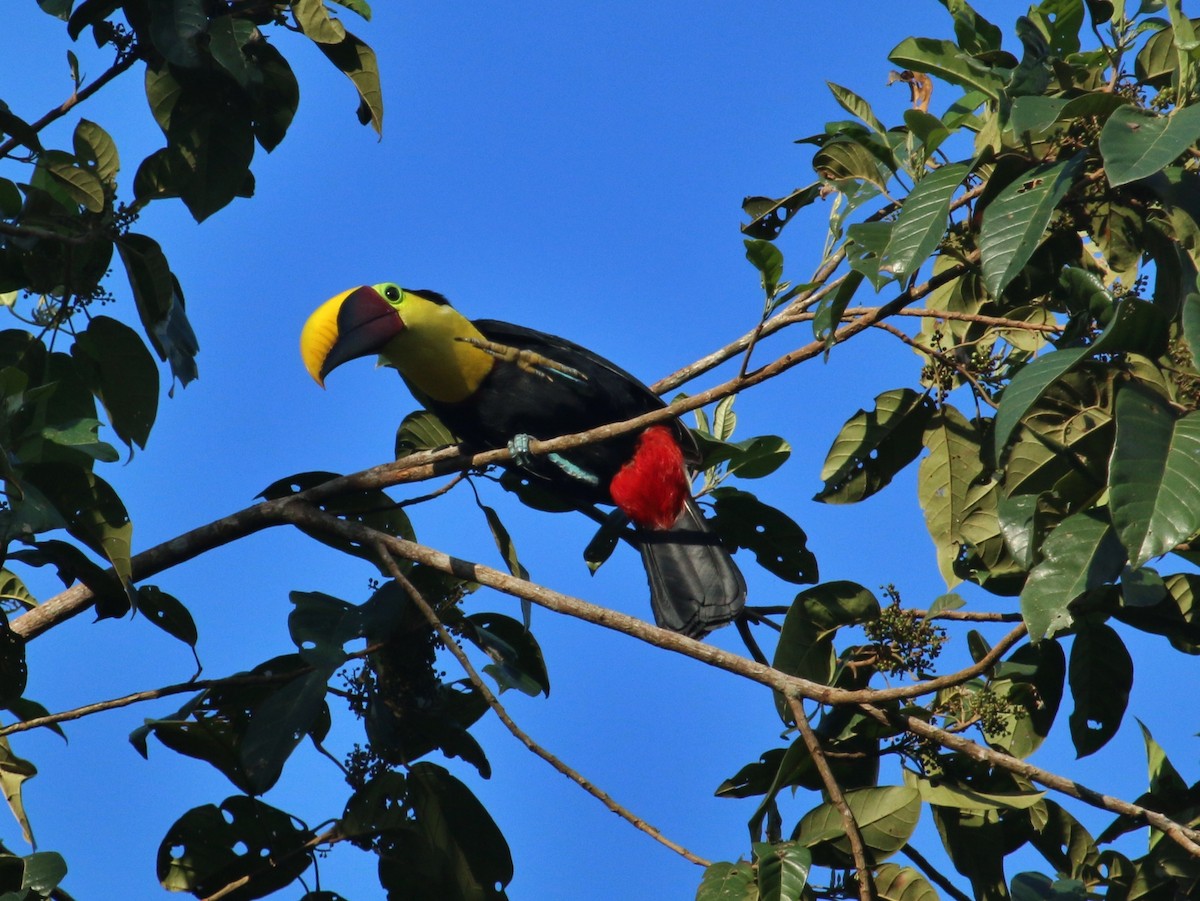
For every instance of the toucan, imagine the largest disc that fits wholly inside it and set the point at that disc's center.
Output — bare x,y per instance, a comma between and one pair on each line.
498,385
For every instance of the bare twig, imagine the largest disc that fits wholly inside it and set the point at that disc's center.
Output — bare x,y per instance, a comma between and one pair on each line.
858,847
123,62
520,734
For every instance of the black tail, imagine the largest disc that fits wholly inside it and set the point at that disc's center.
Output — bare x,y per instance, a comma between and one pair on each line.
694,584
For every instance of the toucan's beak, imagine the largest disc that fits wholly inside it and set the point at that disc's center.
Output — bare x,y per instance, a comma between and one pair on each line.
353,324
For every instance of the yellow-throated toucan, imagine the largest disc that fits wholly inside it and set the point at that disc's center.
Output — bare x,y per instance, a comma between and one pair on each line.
495,384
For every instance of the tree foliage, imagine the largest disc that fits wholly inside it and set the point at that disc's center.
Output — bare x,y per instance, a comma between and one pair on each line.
1033,223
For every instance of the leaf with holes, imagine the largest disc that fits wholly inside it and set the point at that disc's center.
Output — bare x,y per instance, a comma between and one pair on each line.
168,613
725,881
873,446
779,545
1101,676
210,847
1136,143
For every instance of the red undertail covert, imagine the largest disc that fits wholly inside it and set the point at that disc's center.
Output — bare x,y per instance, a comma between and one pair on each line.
651,488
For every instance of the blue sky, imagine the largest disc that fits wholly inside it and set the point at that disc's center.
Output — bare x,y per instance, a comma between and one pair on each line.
576,169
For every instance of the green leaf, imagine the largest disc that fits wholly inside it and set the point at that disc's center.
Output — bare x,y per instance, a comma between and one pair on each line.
1014,222
1136,143
13,773
82,185
1137,326
273,92
60,9
856,106
92,510
160,304
12,589
122,375
947,792
845,157
782,870
210,847
943,59
728,882
805,646
14,670
168,613
279,723
886,816
779,545
228,37
1082,553
422,430
516,655
1154,475
872,447
454,821
922,220
1065,843
768,216
1101,676
896,883
828,314
504,543
1028,689
768,260
357,61
175,29
44,870
94,144
944,480
82,435
313,18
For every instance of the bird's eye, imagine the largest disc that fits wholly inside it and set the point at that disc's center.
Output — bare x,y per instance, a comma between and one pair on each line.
392,293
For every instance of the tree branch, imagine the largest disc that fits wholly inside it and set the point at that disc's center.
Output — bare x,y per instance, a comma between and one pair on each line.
574,775
858,847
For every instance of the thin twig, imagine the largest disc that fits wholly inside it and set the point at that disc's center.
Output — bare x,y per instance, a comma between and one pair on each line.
858,847
942,358
152,694
1186,837
933,873
122,63
493,702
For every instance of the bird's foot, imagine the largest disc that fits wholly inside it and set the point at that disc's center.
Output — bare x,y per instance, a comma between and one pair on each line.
519,448
528,360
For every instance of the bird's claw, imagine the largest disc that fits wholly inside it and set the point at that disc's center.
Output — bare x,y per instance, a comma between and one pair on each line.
528,360
518,446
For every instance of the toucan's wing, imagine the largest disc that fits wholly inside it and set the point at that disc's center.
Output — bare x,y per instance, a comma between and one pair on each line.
606,387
